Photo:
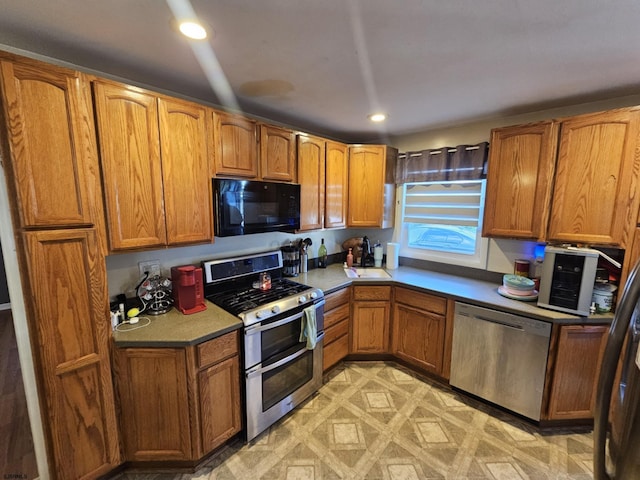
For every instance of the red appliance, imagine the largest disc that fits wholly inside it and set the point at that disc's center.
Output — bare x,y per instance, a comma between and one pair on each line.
188,292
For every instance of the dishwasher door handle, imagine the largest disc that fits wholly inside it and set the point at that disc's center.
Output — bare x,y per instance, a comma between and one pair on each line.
504,324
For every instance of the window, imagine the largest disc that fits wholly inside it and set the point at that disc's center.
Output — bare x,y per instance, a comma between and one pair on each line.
442,222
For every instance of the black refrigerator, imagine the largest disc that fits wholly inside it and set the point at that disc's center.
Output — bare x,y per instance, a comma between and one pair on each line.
616,429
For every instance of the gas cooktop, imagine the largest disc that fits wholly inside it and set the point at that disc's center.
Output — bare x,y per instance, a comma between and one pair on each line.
252,288
242,300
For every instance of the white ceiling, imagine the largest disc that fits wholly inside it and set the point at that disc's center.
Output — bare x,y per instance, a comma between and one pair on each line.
323,65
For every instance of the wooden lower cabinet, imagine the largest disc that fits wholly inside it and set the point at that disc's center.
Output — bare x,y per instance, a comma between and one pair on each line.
576,354
219,419
419,327
370,319
336,327
152,383
178,404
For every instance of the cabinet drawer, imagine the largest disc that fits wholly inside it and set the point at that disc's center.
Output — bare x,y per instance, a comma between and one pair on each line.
217,349
336,331
335,351
423,301
372,293
336,315
336,299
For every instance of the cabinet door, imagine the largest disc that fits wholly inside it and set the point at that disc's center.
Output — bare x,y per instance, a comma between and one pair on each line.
418,337
235,145
49,135
336,185
594,197
185,171
370,327
130,158
311,164
220,416
577,365
370,319
366,186
70,326
519,181
277,154
371,186
152,383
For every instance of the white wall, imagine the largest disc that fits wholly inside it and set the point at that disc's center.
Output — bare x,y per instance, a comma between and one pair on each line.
476,132
123,273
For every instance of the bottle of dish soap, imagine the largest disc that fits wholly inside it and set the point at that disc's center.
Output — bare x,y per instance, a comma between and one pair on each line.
349,259
322,255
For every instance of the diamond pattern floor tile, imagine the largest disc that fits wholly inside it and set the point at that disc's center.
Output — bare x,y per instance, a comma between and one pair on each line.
380,421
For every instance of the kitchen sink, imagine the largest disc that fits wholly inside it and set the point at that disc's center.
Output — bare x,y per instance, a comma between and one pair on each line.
366,273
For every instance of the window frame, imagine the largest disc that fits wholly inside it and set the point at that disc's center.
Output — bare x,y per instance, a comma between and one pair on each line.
478,260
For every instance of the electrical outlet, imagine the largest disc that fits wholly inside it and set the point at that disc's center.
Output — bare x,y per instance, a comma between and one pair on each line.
151,266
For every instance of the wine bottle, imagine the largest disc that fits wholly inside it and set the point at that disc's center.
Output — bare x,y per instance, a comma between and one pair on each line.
322,255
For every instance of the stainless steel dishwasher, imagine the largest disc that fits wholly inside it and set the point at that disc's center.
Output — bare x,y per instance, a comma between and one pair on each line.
500,357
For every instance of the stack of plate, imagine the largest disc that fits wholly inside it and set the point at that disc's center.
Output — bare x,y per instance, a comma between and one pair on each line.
518,288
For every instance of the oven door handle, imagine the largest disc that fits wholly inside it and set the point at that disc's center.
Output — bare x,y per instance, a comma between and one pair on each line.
259,370
252,330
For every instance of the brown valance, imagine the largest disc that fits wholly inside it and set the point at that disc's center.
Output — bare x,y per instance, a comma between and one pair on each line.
464,162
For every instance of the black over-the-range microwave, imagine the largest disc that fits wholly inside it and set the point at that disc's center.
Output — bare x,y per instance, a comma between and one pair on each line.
246,206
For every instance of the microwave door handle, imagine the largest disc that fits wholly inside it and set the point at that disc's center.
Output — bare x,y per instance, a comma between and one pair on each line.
258,370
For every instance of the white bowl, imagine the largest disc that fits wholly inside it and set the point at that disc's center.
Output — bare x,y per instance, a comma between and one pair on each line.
518,283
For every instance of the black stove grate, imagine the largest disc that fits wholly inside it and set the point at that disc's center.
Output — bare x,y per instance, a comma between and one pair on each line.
244,299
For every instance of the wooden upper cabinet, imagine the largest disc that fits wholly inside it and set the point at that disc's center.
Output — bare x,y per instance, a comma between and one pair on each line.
235,145
519,181
129,144
277,154
185,171
68,300
48,117
595,197
371,186
311,176
336,185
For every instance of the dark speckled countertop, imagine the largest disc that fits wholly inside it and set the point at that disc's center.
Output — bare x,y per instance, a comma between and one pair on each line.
175,329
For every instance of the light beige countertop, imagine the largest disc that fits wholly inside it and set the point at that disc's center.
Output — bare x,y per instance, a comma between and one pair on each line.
174,329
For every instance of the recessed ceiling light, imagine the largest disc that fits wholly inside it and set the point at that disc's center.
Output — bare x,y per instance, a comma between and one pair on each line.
377,117
193,30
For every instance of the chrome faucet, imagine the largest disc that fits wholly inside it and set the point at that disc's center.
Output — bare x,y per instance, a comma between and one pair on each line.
366,251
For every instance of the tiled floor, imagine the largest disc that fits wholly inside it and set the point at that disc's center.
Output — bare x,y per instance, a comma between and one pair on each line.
377,420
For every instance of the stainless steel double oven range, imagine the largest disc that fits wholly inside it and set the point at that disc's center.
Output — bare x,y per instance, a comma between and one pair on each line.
281,369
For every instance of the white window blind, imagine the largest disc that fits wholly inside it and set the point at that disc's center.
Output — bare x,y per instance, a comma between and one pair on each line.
444,203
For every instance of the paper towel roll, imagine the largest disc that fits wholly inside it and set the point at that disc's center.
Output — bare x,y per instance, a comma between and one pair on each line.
393,249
